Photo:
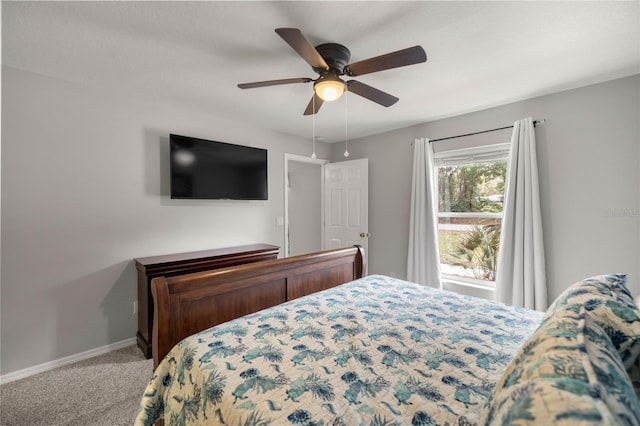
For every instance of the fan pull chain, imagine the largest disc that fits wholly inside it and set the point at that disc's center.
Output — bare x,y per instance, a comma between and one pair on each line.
313,125
346,122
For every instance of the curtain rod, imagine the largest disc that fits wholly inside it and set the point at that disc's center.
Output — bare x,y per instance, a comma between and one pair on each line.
484,131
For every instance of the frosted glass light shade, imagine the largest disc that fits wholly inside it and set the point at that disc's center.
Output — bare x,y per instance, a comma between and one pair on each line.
329,89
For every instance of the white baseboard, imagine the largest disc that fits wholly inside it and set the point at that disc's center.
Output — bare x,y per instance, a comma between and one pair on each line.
47,366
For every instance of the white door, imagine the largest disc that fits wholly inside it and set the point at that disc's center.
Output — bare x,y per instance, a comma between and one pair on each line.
346,204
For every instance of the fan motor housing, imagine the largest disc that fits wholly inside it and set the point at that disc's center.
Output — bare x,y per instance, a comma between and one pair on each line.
335,55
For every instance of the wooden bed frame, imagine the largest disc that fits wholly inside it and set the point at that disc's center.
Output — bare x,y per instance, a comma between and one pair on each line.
187,304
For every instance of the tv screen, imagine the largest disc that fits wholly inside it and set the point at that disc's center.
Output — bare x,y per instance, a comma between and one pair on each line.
205,169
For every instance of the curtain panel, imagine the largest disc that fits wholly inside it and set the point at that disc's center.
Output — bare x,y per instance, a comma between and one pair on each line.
423,263
520,275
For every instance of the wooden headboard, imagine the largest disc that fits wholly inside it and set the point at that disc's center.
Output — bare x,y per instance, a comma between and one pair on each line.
187,304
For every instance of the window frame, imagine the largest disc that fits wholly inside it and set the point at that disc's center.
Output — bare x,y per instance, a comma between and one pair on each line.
458,157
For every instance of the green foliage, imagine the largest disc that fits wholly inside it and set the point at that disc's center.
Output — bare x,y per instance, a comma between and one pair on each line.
478,251
467,188
473,188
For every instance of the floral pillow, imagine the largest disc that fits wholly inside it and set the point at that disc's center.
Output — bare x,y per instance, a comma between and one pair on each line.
608,301
571,371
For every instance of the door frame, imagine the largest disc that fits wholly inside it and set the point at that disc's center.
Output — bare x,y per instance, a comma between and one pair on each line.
302,159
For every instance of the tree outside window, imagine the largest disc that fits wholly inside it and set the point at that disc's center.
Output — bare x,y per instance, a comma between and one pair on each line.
470,201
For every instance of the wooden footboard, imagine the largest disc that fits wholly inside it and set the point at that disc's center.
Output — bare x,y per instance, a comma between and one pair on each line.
187,304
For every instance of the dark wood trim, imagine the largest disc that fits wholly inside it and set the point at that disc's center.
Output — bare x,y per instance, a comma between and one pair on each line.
170,265
187,304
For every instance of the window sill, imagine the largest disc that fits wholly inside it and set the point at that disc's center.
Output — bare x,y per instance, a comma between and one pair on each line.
469,289
477,285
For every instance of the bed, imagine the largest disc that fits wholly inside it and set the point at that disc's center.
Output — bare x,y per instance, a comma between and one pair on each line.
377,350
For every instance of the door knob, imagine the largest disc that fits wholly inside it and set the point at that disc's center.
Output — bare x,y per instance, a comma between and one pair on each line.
362,234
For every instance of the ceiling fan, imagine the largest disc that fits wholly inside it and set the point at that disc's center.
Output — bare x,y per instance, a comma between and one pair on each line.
330,61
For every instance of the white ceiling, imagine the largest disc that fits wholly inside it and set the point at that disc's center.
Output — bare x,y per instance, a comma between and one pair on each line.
192,54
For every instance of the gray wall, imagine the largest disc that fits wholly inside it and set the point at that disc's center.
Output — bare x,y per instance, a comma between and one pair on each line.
85,191
588,159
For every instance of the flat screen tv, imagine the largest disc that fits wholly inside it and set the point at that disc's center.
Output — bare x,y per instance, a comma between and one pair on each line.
211,170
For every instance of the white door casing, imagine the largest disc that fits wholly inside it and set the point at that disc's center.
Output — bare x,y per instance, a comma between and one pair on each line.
346,192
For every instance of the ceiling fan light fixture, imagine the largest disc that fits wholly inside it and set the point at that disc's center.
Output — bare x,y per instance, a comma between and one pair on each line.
329,88
330,61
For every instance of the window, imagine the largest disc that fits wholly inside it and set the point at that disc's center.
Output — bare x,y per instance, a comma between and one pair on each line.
470,194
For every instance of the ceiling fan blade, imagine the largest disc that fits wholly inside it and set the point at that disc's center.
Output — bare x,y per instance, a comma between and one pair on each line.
274,82
371,93
316,102
300,44
399,58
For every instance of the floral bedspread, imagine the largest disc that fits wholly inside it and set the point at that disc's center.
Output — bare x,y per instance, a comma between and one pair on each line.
376,351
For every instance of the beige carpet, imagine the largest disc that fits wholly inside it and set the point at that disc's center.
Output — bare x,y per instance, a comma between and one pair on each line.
104,390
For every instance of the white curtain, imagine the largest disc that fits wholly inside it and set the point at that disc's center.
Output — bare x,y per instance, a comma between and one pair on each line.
520,275
423,263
